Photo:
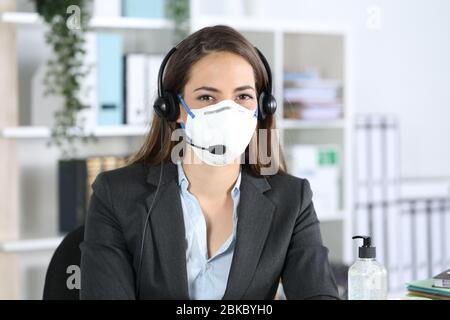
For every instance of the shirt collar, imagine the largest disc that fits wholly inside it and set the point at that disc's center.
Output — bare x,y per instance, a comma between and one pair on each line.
183,182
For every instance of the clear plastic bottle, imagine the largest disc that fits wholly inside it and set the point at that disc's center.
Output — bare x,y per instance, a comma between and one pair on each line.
367,278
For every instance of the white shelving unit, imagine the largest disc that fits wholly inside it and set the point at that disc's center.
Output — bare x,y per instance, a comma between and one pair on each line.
27,245
311,124
30,18
270,36
40,132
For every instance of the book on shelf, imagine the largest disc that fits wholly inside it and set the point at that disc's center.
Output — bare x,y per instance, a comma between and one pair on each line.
311,95
313,112
308,96
75,179
306,74
425,288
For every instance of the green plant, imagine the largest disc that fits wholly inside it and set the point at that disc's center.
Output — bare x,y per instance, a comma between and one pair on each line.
67,22
178,12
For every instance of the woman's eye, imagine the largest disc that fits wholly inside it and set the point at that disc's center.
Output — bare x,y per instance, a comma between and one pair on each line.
245,97
205,98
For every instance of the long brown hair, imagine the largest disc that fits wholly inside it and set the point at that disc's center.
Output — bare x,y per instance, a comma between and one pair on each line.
218,38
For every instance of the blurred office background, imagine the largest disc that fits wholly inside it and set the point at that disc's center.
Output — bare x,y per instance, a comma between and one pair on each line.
364,105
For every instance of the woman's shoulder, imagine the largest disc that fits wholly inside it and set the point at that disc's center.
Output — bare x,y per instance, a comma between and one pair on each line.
288,182
126,176
290,192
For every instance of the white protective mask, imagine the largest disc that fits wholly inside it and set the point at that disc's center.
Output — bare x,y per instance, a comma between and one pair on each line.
219,133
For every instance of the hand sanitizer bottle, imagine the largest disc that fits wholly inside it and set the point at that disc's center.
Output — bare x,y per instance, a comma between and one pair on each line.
367,279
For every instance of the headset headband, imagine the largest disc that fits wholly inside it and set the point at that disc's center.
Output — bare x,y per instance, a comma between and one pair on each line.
172,51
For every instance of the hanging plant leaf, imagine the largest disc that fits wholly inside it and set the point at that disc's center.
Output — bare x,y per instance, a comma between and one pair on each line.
67,22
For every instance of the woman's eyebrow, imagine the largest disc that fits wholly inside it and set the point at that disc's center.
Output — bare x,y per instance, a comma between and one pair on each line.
217,90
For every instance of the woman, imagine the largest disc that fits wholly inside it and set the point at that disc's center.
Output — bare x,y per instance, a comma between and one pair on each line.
206,219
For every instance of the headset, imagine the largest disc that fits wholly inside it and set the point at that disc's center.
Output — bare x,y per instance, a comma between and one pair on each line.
167,108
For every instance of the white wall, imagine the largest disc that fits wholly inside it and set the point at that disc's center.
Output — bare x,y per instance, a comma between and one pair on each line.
402,68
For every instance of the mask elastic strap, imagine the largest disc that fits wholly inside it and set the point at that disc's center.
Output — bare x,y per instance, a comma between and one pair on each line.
186,107
189,112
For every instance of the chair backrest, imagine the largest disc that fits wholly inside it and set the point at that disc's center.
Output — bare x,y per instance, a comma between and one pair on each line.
62,280
340,271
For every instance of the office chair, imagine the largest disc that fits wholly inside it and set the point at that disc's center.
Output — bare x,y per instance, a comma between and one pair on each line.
62,268
340,272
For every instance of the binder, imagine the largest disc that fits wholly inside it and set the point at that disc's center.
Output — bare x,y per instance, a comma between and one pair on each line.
136,88
107,8
72,176
141,87
88,90
75,179
153,65
143,8
109,79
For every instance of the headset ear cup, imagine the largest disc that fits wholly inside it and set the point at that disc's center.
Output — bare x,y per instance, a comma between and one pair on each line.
261,111
160,107
270,105
166,107
267,105
174,108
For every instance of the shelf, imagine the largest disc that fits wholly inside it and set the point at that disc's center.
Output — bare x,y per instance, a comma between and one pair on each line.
247,24
26,245
252,24
29,18
310,124
330,218
41,132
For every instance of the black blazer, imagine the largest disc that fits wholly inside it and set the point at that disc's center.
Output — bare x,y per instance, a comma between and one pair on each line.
278,236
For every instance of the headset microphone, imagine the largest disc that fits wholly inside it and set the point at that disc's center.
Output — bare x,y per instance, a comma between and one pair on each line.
218,149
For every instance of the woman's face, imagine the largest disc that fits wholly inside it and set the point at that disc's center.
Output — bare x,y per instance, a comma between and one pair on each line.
219,76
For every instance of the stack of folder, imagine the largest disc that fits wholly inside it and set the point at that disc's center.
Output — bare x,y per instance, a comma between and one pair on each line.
426,289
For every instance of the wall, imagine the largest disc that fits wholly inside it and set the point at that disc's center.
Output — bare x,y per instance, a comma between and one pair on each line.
401,68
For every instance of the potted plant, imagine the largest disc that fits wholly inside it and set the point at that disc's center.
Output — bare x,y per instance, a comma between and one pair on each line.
67,22
178,12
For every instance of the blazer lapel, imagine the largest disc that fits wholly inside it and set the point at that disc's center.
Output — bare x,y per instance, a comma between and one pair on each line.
167,226
255,212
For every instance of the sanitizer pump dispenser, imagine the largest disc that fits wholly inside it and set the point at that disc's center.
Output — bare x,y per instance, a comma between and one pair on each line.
367,279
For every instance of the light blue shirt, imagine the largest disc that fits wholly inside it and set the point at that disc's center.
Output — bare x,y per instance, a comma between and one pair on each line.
207,277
